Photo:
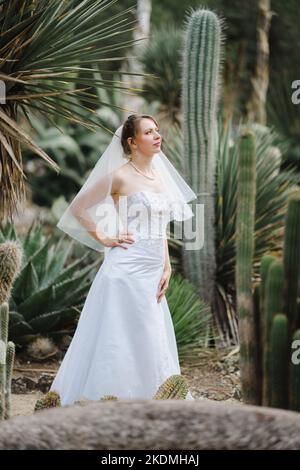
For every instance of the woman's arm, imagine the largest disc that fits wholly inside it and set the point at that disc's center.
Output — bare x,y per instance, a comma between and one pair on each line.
90,197
79,207
167,256
164,281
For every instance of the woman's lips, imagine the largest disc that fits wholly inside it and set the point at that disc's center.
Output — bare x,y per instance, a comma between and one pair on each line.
157,144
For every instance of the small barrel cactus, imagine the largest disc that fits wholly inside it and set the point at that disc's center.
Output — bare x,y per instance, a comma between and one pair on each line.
175,387
108,397
50,400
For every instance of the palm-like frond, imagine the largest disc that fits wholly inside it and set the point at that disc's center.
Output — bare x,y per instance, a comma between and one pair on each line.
43,48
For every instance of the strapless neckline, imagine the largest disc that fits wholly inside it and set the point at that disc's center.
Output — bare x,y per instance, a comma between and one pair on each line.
144,191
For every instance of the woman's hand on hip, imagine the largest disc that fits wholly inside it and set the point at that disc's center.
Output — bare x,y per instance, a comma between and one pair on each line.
117,241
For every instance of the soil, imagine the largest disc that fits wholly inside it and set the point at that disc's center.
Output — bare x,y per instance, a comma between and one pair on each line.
213,376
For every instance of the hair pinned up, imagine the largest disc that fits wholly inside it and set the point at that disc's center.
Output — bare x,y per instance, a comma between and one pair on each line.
131,128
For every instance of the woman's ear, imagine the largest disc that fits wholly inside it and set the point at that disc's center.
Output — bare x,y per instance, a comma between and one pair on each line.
130,141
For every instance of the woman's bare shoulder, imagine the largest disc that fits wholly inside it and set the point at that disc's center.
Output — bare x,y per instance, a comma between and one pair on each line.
118,177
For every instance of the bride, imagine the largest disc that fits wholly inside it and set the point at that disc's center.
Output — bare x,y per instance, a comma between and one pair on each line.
124,343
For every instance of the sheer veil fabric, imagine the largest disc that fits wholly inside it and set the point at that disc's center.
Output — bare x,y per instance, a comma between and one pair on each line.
95,206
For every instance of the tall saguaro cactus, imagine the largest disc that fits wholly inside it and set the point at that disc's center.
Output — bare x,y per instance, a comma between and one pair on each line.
200,91
244,261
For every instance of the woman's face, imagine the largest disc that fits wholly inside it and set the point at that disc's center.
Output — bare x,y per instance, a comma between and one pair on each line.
148,139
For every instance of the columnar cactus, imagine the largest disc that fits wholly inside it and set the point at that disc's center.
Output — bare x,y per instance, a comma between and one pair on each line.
200,87
244,260
272,304
10,266
291,258
7,355
278,362
276,319
294,390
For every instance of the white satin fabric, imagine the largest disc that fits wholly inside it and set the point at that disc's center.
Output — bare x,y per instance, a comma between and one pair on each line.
124,343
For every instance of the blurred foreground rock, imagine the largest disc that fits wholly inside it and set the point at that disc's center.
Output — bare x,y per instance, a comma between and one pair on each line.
150,424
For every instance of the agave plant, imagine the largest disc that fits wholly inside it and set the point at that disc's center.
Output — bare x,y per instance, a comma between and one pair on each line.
191,318
44,48
47,296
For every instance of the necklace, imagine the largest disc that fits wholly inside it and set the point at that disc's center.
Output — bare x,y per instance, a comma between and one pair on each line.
142,173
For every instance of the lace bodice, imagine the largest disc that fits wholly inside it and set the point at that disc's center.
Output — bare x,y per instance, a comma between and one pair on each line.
147,213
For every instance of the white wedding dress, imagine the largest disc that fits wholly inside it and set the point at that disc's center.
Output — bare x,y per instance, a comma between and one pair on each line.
124,343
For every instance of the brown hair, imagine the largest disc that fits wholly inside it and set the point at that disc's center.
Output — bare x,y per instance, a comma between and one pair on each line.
130,129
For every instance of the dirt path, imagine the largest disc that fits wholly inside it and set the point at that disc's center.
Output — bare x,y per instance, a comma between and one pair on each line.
215,377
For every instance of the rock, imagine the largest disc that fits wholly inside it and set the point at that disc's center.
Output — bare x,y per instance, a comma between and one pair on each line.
23,385
18,385
154,424
45,381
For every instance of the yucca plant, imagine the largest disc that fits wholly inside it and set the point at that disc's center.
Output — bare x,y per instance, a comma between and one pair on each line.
273,189
191,318
75,148
44,48
161,58
48,295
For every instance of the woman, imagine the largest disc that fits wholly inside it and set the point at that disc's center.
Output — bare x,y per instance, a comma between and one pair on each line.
124,343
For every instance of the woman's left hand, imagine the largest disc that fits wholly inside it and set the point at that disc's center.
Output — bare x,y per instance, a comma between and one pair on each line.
163,283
